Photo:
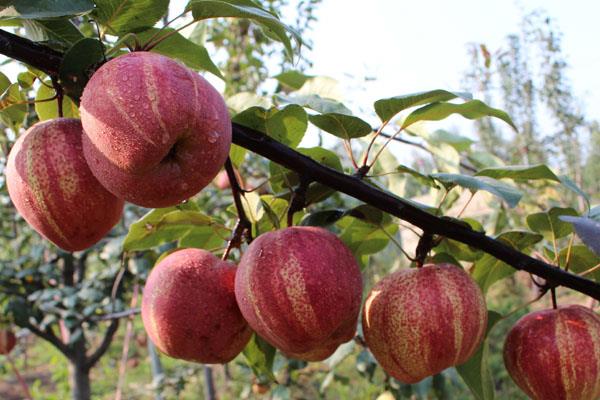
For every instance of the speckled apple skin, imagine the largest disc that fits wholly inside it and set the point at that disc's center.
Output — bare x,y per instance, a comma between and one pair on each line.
8,341
156,131
555,354
419,321
189,308
300,289
51,186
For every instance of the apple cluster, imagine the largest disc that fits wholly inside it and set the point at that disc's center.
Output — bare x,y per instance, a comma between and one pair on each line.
154,133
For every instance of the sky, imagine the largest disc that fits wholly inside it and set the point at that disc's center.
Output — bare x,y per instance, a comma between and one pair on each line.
410,46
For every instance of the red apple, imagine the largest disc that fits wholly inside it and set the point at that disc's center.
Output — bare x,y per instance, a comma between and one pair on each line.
189,308
8,341
418,322
555,354
52,187
300,289
156,132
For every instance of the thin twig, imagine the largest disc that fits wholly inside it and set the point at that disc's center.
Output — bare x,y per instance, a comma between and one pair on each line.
237,193
117,315
19,377
127,340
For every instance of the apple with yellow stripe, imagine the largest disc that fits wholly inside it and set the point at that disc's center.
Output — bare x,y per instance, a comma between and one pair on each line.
51,186
189,308
156,131
555,354
419,321
300,289
8,341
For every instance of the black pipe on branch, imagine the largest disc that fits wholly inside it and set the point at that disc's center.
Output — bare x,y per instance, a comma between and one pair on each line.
49,61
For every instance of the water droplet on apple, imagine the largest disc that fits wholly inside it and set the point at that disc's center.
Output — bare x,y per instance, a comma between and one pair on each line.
136,97
124,78
213,136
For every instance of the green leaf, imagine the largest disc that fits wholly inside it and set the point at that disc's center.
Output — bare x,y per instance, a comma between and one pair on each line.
473,109
252,205
204,9
11,96
178,47
520,172
581,258
460,250
244,100
164,225
322,218
260,355
423,179
386,109
316,103
26,79
549,224
460,143
49,109
364,238
275,213
123,16
506,192
370,214
61,30
237,154
78,64
287,125
203,237
292,79
572,186
488,270
13,110
282,179
341,125
42,9
476,372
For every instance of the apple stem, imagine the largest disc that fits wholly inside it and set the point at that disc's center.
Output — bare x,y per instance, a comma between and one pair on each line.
553,295
426,243
243,226
19,377
298,201
59,95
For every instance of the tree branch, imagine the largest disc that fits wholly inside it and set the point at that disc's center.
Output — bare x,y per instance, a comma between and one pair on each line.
50,337
46,59
37,55
106,341
267,147
117,315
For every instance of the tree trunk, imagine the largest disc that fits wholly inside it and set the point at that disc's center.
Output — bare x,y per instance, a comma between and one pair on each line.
79,371
209,384
79,376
